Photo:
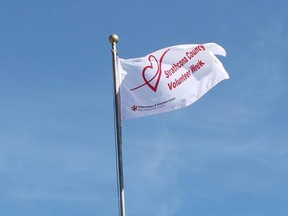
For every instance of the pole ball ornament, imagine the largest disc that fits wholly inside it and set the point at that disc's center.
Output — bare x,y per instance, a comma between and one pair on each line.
113,38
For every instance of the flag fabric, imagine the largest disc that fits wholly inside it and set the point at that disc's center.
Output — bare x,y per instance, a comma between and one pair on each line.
169,79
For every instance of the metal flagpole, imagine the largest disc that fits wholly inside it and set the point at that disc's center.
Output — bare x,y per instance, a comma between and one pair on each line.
117,119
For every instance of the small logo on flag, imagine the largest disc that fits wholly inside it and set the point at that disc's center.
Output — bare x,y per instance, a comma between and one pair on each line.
134,108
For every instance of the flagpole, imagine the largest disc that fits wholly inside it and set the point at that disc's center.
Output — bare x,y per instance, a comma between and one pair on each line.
118,127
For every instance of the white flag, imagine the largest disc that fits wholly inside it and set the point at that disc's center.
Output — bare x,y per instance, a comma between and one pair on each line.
169,79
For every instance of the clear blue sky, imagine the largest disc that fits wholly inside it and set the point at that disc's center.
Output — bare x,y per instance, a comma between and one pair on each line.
226,155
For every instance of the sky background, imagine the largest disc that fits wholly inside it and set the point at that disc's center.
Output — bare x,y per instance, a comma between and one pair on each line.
226,155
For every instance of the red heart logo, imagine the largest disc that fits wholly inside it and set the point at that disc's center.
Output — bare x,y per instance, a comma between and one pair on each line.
152,73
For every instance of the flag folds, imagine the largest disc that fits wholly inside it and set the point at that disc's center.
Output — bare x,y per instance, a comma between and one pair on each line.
169,79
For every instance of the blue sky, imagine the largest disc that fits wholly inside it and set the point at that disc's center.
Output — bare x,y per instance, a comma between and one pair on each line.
225,155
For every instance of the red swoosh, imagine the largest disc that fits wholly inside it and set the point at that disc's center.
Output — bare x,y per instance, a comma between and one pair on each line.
159,72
